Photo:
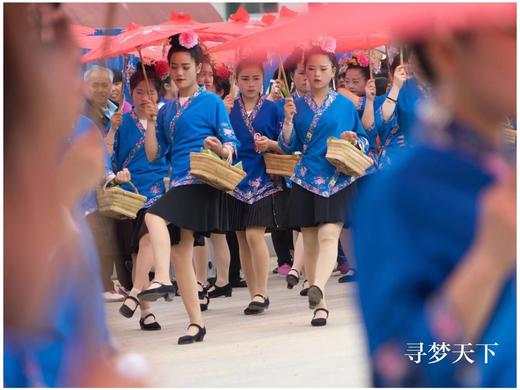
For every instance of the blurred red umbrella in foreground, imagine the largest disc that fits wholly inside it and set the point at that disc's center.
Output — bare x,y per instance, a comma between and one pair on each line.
89,41
79,30
402,21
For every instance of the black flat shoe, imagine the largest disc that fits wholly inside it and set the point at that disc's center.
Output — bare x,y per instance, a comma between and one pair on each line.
239,284
152,294
151,326
320,321
304,291
203,295
125,309
315,296
224,291
257,307
191,339
292,280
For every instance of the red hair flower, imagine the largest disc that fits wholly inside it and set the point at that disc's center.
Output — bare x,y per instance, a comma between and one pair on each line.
162,69
222,71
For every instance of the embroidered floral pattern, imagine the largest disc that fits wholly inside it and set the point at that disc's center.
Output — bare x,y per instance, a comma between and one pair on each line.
139,144
184,180
251,197
318,112
180,110
249,119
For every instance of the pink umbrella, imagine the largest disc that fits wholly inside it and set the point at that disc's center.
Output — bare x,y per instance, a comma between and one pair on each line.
133,38
89,41
79,30
398,20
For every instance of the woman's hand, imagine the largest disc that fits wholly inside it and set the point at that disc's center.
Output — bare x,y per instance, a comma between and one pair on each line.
150,110
224,151
399,76
349,136
275,93
116,120
370,90
123,176
263,144
229,101
289,109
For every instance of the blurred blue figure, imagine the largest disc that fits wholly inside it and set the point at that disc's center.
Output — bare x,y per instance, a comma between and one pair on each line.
434,234
75,327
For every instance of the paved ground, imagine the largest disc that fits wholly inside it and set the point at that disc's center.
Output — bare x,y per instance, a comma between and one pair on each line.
276,349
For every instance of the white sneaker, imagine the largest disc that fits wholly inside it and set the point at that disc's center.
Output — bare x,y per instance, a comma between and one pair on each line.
112,296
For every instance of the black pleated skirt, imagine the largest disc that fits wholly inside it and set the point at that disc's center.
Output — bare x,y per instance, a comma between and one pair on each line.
132,230
307,209
243,215
281,207
197,207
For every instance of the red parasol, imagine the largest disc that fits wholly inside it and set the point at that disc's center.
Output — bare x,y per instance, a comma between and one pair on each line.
79,30
133,38
398,20
237,24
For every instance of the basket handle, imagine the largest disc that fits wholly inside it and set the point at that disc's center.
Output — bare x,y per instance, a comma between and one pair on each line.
128,182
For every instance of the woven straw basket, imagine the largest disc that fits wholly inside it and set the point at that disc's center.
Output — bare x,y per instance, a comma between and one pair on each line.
280,164
347,158
118,203
215,172
509,134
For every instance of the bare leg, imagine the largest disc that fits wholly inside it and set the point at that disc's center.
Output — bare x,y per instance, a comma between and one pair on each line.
160,239
328,236
311,249
143,265
260,256
298,257
346,244
222,258
246,262
185,273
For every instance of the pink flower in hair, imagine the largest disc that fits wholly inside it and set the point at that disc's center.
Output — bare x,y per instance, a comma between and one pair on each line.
363,60
328,44
188,39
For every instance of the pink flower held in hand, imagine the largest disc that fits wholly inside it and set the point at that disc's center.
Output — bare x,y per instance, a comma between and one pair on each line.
328,44
188,39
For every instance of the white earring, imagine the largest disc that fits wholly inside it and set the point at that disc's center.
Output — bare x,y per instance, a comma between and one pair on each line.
334,83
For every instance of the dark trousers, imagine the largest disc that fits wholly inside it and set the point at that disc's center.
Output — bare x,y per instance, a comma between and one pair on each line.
283,243
234,266
105,234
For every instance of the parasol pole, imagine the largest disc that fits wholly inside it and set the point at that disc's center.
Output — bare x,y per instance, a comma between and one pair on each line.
281,68
232,77
387,61
370,67
402,55
145,76
123,79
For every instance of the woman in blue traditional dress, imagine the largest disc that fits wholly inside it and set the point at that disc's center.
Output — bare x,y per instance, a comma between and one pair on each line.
436,258
257,123
128,152
320,192
379,119
196,119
